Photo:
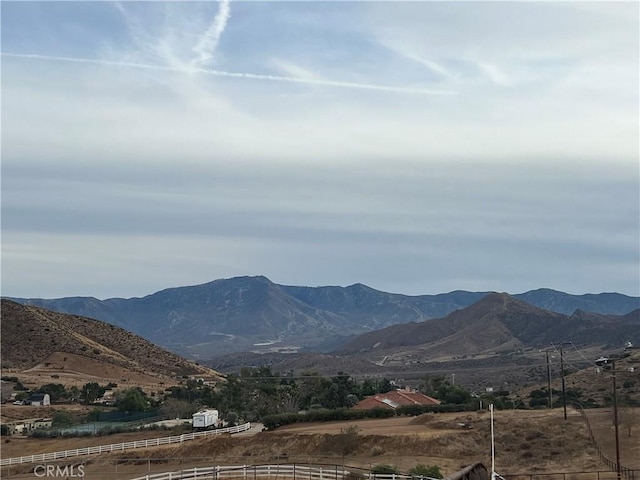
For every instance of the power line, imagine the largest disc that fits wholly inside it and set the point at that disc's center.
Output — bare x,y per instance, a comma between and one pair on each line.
579,352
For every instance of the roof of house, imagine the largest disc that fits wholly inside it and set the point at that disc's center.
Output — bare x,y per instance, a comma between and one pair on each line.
395,399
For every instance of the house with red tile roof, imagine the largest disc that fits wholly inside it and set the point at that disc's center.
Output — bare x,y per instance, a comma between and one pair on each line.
395,399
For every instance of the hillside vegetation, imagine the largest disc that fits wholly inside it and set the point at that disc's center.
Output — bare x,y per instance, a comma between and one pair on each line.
33,337
254,313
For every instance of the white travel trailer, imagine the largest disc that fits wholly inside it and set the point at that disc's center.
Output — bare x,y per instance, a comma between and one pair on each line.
205,418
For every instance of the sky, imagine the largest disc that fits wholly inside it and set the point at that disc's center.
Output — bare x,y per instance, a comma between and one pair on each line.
415,147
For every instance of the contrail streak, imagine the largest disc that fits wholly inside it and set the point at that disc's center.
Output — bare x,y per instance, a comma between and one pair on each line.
222,73
209,40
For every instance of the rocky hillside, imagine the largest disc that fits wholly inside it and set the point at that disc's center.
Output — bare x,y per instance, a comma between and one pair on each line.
32,335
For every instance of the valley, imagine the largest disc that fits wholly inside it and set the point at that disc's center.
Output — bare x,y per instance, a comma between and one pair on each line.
494,350
255,314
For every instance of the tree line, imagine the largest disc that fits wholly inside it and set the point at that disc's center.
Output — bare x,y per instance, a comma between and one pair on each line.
256,393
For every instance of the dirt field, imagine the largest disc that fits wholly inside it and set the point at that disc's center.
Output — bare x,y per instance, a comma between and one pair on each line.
9,412
629,435
526,441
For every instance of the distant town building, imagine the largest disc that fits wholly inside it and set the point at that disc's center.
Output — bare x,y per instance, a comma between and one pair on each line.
39,400
395,399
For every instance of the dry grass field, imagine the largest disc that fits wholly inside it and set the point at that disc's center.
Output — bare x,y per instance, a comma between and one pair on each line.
526,441
70,370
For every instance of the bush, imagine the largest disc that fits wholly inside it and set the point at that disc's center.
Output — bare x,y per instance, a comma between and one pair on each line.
354,476
348,440
421,470
413,410
384,469
536,402
323,415
377,450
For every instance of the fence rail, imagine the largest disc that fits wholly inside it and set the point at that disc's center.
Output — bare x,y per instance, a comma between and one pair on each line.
300,472
119,447
627,473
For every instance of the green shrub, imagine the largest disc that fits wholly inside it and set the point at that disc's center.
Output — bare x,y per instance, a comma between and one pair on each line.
384,469
323,415
62,418
420,470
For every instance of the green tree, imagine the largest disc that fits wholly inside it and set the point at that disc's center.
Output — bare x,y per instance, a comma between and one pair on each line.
340,388
440,388
312,387
133,400
174,408
455,394
56,391
74,394
91,392
61,418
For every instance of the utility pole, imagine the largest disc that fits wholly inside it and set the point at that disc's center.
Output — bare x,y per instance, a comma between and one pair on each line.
564,393
549,380
615,418
615,411
564,396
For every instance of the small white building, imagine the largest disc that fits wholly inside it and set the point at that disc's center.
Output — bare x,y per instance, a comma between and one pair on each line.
39,400
205,418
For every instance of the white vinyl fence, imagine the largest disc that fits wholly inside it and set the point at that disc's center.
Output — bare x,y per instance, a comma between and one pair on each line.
119,447
298,472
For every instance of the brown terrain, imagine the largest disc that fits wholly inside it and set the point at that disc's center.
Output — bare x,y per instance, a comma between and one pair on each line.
46,347
40,346
539,441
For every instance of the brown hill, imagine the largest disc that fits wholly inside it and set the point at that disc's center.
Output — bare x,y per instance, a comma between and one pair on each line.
253,313
39,340
498,322
488,324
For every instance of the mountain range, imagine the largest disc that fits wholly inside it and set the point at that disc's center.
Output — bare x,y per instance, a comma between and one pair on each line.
499,322
253,313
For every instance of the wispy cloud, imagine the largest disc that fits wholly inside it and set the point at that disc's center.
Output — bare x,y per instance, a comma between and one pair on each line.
222,73
206,46
495,74
319,142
